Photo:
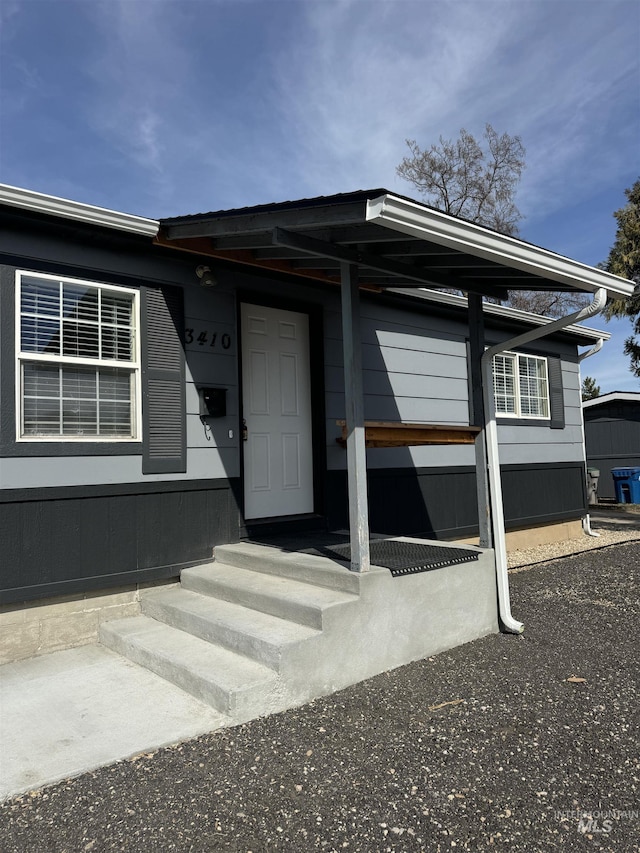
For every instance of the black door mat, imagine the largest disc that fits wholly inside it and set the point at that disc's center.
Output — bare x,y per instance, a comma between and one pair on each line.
401,558
407,558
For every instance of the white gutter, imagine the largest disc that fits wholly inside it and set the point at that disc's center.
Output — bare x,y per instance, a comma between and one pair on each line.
594,349
62,207
490,308
493,458
434,226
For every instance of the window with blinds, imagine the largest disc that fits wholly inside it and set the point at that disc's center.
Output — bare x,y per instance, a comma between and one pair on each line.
78,359
521,386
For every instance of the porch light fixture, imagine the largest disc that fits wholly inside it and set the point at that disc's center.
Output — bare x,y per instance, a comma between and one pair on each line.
207,278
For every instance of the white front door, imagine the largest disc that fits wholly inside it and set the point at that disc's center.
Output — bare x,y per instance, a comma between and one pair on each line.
278,464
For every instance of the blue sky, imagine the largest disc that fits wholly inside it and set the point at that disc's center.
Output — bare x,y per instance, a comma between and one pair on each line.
168,107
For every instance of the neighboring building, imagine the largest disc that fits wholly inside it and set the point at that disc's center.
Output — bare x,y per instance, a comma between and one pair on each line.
142,364
612,435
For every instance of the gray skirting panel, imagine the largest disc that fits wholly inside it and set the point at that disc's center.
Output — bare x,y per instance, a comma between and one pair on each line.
76,539
68,540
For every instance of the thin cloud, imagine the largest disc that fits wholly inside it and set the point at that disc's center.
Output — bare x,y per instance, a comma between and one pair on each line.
9,9
223,104
135,48
334,93
352,87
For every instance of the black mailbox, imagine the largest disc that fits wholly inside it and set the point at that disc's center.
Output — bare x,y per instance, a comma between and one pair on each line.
213,402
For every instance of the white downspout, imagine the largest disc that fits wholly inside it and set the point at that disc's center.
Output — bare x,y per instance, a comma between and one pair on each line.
586,521
594,349
493,457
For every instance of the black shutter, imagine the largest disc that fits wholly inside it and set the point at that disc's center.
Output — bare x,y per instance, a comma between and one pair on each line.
164,442
556,394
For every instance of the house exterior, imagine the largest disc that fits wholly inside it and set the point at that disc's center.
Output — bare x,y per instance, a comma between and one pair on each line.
612,435
165,392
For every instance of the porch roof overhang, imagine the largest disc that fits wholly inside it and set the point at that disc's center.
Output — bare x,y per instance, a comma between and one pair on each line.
393,241
381,241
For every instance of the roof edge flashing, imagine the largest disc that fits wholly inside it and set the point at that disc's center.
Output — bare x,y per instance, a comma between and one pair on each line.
412,218
613,397
78,211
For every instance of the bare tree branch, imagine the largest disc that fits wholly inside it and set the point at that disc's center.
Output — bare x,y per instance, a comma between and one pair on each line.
479,184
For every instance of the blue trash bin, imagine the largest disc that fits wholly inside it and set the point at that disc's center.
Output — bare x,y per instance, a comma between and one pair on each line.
627,485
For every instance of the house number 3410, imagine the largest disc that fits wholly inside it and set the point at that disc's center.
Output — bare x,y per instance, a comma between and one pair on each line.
205,338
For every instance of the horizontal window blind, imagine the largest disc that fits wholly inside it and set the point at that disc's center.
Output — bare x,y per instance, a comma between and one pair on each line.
77,359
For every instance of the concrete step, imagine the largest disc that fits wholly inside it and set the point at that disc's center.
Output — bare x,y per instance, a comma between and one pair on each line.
251,633
299,602
227,681
310,568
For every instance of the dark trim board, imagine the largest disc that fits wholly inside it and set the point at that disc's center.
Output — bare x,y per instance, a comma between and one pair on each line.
440,503
102,490
87,541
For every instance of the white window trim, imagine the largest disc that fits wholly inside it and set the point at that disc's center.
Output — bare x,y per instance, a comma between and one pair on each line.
518,413
134,366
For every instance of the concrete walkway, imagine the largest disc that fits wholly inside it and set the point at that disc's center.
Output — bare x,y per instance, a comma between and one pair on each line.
71,711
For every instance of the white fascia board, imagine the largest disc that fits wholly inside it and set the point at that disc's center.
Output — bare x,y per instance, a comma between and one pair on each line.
498,311
424,223
613,396
62,207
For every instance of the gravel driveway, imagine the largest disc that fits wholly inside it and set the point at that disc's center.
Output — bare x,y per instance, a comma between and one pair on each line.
499,744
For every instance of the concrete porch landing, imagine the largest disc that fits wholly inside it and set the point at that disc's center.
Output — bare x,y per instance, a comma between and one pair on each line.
261,629
257,631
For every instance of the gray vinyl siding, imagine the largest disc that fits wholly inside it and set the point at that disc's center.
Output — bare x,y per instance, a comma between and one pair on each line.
415,370
208,443
521,444
51,471
64,247
211,454
149,525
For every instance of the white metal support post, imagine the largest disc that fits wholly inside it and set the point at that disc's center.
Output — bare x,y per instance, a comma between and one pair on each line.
354,414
